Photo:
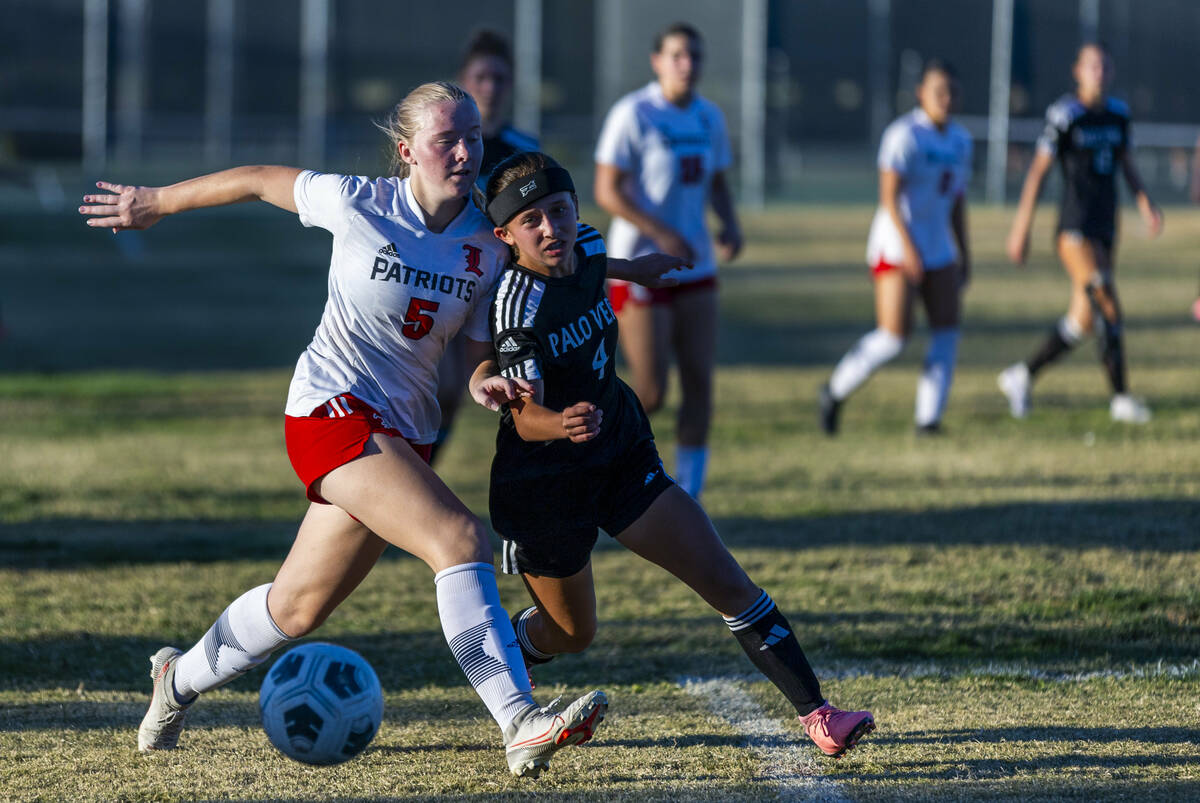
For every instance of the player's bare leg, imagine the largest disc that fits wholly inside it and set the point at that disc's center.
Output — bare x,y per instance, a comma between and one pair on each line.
893,313
644,343
675,534
694,338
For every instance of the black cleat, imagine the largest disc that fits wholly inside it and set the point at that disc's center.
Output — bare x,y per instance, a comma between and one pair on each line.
929,430
828,409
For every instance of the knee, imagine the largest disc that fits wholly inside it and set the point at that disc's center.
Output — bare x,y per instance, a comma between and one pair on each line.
296,615
463,540
650,394
575,636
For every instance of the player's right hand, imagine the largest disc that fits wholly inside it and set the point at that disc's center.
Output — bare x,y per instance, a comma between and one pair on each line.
1017,247
581,421
128,208
671,243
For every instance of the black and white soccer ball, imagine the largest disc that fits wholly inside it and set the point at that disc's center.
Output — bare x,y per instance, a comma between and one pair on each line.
321,703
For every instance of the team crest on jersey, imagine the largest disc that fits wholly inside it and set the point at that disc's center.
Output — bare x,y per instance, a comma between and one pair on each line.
473,253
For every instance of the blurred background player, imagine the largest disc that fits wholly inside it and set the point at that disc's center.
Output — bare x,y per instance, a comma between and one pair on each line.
1088,132
917,246
486,72
575,452
660,161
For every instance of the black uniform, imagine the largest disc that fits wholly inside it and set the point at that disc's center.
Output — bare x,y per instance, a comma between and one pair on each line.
548,498
507,141
1089,144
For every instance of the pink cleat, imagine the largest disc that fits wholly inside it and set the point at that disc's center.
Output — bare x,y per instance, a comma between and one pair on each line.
836,731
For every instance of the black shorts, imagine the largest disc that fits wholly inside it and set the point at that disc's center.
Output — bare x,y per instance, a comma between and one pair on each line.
549,523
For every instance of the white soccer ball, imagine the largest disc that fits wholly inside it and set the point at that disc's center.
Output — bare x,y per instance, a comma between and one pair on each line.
321,703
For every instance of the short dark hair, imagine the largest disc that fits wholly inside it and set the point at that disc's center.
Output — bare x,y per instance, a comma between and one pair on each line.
486,42
937,64
676,29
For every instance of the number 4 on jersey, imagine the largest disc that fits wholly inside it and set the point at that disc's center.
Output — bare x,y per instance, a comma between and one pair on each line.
600,359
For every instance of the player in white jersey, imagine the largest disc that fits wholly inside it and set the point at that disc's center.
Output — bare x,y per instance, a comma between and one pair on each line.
917,246
486,72
414,260
660,162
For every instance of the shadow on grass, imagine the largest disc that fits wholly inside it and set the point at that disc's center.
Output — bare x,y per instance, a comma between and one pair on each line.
1163,524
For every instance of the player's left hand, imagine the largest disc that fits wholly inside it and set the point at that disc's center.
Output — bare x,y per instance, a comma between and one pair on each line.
650,270
581,421
496,391
729,244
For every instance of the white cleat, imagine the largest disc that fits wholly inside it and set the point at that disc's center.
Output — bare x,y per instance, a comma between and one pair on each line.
1015,384
536,733
1129,409
164,720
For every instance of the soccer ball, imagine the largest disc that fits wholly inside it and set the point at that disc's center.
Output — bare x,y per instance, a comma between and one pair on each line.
321,703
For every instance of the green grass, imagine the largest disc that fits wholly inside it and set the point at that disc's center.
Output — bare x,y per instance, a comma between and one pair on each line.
1016,601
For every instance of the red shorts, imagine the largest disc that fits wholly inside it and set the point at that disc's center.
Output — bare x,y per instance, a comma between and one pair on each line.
883,266
620,293
333,435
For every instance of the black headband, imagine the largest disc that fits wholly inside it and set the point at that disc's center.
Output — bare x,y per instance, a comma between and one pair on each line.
524,191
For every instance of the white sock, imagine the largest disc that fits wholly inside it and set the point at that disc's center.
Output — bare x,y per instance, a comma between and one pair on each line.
691,465
1069,331
869,354
482,638
933,387
241,639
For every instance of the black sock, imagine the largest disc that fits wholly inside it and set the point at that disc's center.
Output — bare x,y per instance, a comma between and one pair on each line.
1112,356
1054,347
770,644
530,653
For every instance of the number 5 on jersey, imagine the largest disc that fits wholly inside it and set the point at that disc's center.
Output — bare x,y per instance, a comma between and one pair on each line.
417,323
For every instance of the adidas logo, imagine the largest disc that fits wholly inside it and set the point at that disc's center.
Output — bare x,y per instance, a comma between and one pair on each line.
509,346
388,250
776,635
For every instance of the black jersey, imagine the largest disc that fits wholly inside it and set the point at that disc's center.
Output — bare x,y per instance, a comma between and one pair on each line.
563,331
1089,144
504,144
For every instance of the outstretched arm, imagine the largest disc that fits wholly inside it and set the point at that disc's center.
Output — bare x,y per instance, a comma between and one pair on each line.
129,207
1018,236
1152,216
649,270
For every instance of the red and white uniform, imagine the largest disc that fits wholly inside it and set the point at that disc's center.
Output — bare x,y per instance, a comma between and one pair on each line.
671,155
934,168
397,293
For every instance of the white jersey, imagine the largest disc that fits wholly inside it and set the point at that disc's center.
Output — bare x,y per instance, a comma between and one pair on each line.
397,293
934,168
671,155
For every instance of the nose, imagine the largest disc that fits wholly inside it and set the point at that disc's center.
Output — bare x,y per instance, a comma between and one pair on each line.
461,152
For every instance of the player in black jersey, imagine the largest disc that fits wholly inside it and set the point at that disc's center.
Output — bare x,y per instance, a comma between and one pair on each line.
575,452
1088,132
486,72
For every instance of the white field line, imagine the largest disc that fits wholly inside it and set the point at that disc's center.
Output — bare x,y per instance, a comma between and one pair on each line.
787,762
883,670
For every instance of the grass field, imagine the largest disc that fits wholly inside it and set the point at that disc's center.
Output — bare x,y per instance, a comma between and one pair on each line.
1016,601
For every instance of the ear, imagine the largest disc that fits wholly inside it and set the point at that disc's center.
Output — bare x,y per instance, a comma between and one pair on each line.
503,236
575,200
405,152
